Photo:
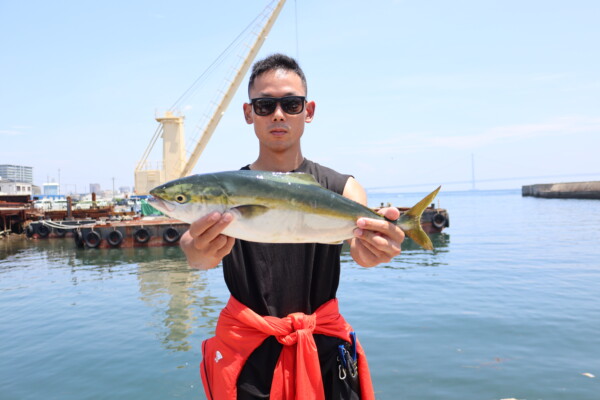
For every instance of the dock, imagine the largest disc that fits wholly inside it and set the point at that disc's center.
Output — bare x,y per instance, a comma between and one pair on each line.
569,190
14,215
159,231
149,232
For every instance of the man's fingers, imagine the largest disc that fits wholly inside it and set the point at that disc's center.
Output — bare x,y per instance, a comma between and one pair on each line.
377,225
227,246
391,213
199,226
208,228
370,254
378,243
368,247
218,243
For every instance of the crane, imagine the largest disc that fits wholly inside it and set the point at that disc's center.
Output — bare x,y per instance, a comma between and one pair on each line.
171,126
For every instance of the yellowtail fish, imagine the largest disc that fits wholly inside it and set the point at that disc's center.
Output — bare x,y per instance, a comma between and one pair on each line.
275,207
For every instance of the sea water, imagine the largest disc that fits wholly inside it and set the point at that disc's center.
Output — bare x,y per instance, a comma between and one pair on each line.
507,306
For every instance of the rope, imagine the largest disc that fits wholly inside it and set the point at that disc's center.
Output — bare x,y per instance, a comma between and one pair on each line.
57,225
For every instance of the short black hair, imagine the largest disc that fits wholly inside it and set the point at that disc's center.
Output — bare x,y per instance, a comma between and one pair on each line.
275,62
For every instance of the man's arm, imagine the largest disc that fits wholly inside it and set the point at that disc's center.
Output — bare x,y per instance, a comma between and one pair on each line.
203,243
375,241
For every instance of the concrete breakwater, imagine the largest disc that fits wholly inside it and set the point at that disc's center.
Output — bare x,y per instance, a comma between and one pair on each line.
570,190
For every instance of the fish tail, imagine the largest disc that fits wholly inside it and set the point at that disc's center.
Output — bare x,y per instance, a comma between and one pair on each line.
410,222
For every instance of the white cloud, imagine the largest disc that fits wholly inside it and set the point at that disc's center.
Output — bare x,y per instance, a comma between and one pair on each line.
502,134
10,132
550,77
420,141
478,80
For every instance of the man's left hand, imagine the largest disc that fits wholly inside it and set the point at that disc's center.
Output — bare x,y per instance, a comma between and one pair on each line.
377,241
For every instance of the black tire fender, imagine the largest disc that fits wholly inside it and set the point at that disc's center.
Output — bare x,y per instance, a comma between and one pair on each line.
438,220
92,239
115,238
171,235
142,235
60,232
43,230
78,238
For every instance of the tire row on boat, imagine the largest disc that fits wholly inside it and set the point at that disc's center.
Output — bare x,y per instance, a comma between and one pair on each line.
92,238
44,229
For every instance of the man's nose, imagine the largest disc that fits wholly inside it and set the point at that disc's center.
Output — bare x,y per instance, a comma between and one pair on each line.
278,114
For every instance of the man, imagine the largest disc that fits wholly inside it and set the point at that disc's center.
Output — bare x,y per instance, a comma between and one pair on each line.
283,295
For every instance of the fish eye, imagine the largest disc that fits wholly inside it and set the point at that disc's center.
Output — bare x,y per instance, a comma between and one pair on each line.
181,198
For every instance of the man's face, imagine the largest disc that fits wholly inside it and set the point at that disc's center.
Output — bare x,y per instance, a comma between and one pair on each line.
278,131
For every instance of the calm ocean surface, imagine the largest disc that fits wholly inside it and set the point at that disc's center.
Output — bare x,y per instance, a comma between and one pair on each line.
507,306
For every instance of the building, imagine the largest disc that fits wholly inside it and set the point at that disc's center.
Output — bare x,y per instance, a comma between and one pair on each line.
51,189
105,194
11,187
17,173
95,188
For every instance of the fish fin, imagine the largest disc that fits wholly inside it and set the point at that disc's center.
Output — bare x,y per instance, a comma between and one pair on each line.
296,177
335,243
411,221
251,210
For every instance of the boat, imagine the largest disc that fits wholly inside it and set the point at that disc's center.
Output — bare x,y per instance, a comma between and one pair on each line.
433,219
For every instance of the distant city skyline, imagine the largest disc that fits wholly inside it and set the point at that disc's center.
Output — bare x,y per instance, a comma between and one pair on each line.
23,174
20,173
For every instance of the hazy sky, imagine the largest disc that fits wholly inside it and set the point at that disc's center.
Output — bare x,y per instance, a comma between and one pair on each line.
408,93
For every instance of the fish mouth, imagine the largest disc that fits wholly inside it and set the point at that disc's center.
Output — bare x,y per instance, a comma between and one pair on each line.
161,205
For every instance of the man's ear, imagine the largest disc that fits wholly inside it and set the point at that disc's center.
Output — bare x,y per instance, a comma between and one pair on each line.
248,113
310,111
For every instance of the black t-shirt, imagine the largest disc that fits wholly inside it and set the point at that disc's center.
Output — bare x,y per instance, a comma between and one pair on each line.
279,279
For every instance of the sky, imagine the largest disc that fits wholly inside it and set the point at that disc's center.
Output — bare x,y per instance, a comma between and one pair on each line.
409,94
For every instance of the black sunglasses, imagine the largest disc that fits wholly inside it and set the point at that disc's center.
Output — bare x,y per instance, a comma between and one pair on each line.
264,106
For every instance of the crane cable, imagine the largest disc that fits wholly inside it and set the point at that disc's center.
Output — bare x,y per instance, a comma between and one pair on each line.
197,83
193,87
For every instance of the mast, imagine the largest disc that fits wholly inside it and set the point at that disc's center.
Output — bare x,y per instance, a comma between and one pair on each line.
230,92
472,171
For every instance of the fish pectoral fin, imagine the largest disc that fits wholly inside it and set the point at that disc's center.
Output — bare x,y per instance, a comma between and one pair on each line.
251,210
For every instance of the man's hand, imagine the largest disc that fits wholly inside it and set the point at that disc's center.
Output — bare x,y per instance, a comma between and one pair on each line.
376,241
203,243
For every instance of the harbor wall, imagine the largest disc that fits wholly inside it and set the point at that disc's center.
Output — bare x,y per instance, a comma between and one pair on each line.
569,190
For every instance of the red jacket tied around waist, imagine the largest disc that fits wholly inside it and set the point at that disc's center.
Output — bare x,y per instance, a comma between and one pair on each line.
297,373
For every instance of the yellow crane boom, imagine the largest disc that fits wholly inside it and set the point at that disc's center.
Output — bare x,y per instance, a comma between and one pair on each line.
174,162
230,92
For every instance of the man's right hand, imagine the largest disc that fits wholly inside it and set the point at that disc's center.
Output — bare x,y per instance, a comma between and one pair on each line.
203,243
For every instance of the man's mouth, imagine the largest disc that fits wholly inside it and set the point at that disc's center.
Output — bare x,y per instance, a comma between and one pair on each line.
278,131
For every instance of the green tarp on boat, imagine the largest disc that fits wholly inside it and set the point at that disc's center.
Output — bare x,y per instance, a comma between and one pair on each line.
147,209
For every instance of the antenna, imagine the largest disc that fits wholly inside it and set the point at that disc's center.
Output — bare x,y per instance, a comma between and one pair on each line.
473,172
